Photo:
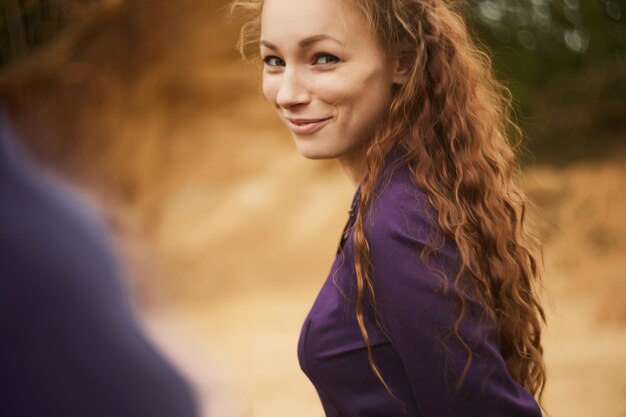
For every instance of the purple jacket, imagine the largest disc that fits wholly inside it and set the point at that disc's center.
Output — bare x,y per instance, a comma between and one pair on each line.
419,355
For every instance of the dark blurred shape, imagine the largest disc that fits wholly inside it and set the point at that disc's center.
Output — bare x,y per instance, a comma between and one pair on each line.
25,25
14,43
70,344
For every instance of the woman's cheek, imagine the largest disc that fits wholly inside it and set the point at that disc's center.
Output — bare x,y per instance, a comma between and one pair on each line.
271,84
334,88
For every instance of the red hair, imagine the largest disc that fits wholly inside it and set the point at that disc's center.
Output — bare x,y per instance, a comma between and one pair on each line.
452,105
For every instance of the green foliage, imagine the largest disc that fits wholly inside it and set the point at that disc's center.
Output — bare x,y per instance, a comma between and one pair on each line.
557,57
534,41
550,37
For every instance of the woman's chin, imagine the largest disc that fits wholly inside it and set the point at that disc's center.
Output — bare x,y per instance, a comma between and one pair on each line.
316,156
310,151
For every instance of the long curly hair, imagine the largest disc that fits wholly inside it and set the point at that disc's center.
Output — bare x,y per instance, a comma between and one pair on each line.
452,106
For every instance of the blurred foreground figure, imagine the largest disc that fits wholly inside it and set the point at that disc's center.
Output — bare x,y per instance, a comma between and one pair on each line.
70,345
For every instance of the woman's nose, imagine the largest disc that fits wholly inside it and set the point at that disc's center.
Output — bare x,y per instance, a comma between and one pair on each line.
293,90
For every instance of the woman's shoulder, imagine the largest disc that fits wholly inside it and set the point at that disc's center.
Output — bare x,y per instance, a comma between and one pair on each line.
408,246
399,205
401,219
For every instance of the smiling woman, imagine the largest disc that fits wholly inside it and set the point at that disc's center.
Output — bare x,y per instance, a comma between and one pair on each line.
430,308
330,82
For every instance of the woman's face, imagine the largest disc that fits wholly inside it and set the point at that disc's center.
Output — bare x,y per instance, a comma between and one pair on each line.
326,74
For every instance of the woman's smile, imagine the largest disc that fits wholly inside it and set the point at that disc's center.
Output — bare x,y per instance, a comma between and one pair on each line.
302,126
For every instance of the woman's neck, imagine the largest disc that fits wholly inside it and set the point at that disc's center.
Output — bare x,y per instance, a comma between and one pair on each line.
354,165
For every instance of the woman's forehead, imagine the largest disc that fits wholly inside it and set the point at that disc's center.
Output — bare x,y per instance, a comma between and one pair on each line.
294,20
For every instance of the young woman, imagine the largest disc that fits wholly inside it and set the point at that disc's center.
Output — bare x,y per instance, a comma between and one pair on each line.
430,308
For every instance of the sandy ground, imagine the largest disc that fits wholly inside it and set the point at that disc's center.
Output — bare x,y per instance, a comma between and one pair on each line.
250,256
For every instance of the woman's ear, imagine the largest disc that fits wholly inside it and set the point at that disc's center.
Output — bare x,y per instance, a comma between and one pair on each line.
402,64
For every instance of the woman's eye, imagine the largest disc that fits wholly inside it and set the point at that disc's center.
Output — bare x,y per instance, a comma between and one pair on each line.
326,59
274,61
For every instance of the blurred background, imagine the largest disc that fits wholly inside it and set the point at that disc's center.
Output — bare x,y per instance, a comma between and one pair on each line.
227,234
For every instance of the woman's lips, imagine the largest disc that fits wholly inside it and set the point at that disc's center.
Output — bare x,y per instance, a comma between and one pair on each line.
306,126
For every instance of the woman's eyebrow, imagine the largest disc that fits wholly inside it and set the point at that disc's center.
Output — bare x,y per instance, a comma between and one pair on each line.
269,45
316,38
306,42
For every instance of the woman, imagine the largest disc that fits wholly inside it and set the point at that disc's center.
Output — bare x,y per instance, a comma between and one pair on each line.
430,308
